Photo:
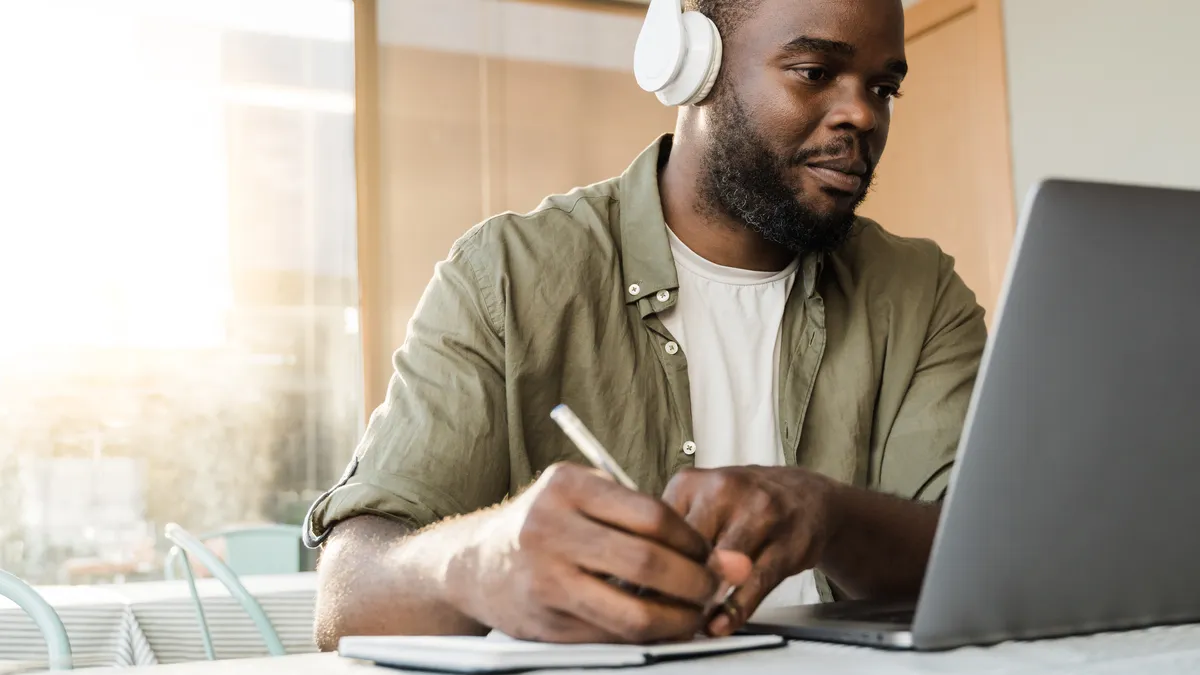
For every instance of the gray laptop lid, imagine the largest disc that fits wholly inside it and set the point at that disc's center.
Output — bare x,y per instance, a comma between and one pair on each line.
1075,503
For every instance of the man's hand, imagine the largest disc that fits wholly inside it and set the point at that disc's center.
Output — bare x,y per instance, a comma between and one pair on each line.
539,569
781,517
788,520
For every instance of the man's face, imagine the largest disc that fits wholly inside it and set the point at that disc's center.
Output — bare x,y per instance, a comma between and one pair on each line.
800,117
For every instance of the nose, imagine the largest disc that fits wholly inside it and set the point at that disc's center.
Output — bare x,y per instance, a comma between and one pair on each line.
855,109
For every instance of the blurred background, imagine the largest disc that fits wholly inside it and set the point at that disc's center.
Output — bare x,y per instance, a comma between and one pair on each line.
216,216
179,335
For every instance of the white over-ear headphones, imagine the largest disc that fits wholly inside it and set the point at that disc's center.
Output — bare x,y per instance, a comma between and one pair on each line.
678,53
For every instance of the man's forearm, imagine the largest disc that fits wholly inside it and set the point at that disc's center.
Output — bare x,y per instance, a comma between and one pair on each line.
378,578
880,544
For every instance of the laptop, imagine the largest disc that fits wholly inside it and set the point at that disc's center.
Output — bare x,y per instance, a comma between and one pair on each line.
1074,504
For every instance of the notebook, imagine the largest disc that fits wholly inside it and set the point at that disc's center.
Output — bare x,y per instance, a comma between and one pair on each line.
505,655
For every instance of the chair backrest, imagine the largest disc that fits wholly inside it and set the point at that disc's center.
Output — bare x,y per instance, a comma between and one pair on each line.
192,547
273,549
58,646
255,549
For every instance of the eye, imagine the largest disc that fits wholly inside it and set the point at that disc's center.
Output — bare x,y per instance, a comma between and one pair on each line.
887,92
812,73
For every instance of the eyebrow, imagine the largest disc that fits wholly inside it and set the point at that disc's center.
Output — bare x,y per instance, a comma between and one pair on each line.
814,45
896,67
805,43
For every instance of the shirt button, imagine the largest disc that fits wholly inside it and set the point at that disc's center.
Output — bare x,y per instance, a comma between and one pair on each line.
634,289
664,296
689,448
672,348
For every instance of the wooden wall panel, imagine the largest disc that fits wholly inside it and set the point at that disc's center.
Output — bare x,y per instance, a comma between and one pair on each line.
462,137
923,187
367,189
945,174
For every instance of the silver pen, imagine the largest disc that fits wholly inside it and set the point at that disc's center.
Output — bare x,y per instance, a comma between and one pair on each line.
583,439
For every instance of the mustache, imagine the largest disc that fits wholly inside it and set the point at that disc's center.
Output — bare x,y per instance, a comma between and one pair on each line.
835,148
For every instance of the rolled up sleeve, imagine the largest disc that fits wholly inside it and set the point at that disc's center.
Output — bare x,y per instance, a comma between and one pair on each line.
437,445
920,450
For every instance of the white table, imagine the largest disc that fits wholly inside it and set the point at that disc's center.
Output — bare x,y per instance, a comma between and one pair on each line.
1159,651
155,622
100,625
166,616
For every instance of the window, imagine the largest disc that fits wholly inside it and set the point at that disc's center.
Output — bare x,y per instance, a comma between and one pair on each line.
179,335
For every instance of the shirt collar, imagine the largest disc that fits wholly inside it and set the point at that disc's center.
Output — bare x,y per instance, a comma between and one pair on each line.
646,261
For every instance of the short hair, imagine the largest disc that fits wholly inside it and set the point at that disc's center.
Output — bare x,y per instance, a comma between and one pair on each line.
726,14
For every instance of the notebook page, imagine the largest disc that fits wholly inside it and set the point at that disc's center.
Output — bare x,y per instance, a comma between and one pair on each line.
474,654
497,653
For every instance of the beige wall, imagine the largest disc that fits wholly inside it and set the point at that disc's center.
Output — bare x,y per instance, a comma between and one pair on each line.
484,107
1104,89
500,135
946,173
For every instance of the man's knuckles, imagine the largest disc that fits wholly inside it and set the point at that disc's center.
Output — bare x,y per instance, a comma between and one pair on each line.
762,505
541,525
641,564
638,622
563,478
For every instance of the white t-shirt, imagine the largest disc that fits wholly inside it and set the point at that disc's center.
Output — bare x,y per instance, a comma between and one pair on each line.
728,322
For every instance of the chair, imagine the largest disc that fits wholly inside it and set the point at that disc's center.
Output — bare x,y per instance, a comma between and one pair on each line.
48,622
256,549
188,545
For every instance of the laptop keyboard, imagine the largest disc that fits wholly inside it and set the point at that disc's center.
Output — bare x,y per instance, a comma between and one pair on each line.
897,616
902,616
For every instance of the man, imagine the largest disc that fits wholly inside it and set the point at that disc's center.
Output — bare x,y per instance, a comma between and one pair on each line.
791,380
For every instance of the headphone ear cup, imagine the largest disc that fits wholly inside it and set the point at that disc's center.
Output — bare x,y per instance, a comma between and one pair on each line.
701,63
714,66
661,46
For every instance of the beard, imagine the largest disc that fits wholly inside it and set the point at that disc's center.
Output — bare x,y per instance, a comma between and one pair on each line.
744,179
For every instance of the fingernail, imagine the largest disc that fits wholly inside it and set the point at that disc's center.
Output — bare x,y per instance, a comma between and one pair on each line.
720,625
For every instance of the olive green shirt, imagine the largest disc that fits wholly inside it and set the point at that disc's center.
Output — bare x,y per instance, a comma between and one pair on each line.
880,344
